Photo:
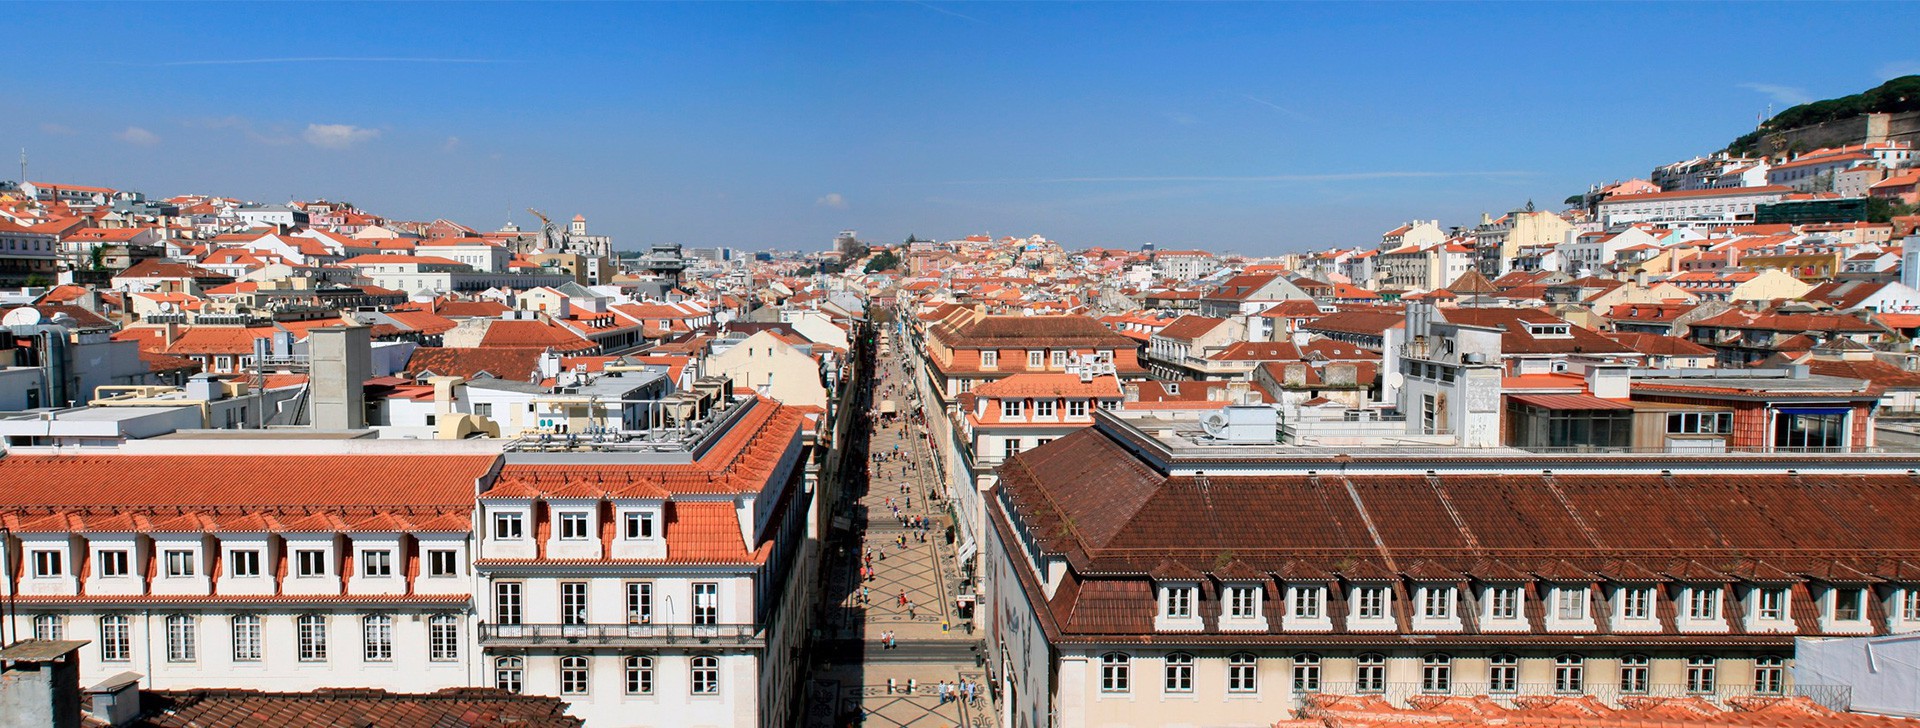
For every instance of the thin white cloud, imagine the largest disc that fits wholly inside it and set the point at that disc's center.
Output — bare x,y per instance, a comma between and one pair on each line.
338,136
1793,95
137,136
322,59
452,143
1331,177
57,129
832,200
1896,69
944,11
1276,107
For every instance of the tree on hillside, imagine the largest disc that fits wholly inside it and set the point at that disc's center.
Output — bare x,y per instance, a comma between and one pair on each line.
884,261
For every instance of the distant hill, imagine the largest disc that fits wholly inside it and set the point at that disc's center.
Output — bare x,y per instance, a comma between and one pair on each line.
1900,94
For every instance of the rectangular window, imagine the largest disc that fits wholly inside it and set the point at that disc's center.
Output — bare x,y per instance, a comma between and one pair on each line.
573,526
989,358
49,564
1771,604
1570,603
1503,602
377,634
1370,602
1636,603
443,638
1241,602
639,526
1703,603
443,562
1036,359
508,526
1910,605
182,639
1010,447
376,563
312,562
573,602
506,602
1076,408
639,602
1059,359
706,603
113,563
1429,415
1437,602
116,639
1011,408
311,630
246,638
1847,604
1306,603
179,563
1179,602
246,564
1043,408
483,409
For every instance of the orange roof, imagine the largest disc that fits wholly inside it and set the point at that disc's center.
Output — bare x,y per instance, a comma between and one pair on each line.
1049,385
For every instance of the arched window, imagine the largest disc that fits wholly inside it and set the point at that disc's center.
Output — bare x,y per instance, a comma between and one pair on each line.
1370,673
639,675
573,675
706,675
1179,673
1306,672
1243,674
1769,675
1436,672
182,639
377,636
1633,674
1569,673
47,627
1503,673
246,638
507,672
1700,678
1114,667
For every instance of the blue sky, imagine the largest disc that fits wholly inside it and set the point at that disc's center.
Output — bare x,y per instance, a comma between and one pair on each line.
1252,127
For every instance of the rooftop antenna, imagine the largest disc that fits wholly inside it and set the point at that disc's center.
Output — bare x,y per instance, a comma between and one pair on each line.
23,165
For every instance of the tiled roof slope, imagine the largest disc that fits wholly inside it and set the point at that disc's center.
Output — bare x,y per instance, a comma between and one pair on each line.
352,708
246,481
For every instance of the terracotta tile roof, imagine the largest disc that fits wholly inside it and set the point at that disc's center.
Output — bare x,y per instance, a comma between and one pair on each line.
533,334
1022,331
352,708
1038,384
1188,328
215,481
1374,323
518,364
1657,345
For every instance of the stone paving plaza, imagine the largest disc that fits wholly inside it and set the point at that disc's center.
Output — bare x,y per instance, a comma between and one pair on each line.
850,686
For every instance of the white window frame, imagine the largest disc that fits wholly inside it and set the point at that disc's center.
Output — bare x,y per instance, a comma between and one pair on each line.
1703,603
639,526
376,563
1503,602
179,563
1770,603
1370,602
1179,673
436,569
1178,602
115,563
247,642
575,525
311,633
1636,602
1436,602
243,563
314,570
376,636
509,526
1115,669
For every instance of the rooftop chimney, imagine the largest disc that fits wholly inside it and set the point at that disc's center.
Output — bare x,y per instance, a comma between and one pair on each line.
40,684
342,361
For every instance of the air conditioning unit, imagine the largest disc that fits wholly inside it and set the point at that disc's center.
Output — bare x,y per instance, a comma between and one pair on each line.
1243,425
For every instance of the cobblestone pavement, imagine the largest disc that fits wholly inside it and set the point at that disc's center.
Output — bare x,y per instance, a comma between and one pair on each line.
850,680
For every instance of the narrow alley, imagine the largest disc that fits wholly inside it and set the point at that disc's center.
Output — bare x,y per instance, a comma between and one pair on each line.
891,648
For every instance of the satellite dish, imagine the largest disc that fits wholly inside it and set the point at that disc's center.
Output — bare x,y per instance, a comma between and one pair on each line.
23,316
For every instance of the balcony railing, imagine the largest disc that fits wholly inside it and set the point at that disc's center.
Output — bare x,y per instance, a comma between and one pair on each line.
1398,694
618,635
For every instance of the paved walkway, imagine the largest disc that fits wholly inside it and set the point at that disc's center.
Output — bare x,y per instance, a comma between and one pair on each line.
857,678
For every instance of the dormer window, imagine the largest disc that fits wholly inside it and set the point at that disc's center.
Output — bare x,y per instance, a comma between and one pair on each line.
1570,602
1076,408
49,564
573,526
1848,604
1011,408
1243,602
1703,603
1036,359
1770,603
1059,359
1503,602
1636,602
1370,602
1179,603
1306,602
1043,408
639,526
376,563
179,563
509,526
1436,602
989,358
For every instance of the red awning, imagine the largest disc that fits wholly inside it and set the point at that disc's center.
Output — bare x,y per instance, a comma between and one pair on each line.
1569,402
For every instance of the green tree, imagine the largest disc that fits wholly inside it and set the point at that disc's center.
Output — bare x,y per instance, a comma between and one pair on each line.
885,261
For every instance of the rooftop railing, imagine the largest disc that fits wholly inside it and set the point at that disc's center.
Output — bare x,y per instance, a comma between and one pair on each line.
618,635
1400,694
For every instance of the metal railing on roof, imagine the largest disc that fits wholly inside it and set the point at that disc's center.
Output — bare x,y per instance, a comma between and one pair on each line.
618,635
1590,684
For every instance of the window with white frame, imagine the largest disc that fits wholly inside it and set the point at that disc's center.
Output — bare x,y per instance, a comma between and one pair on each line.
509,526
1059,359
639,675
1769,675
1036,359
573,602
443,562
639,602
1179,673
507,673
1043,408
1703,603
116,638
311,631
1910,604
443,638
1570,602
1770,603
246,637
377,637
1076,408
1849,604
49,564
573,526
1436,672
1636,602
1503,602
1012,408
1569,673
1436,602
48,627
639,526
1306,602
1503,673
179,563
1370,602
573,675
1306,672
506,602
1114,668
310,562
243,563
1179,603
113,562
706,603
376,563
1242,602
1370,673
1634,674
989,358
183,639
1700,674
1009,447
706,675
